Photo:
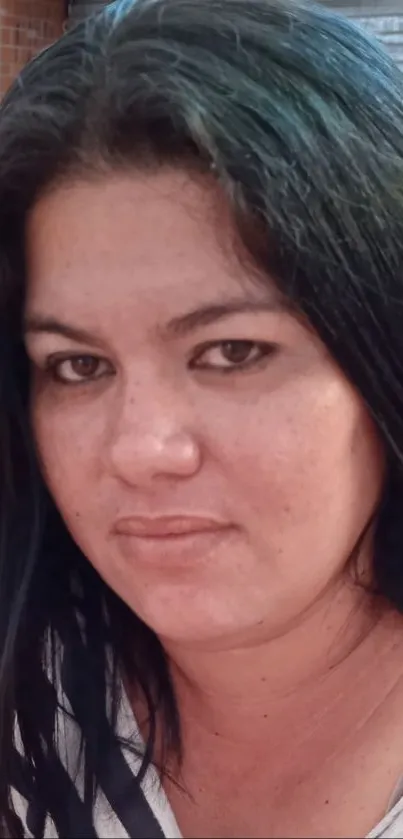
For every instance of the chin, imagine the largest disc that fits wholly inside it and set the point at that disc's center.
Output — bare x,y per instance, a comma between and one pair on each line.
202,624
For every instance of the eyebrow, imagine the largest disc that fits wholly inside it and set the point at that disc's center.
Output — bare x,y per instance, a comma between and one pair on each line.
41,324
178,326
212,313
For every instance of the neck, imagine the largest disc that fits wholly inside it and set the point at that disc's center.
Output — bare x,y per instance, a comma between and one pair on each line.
253,690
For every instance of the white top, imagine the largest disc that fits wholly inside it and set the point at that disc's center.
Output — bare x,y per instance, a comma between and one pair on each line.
152,816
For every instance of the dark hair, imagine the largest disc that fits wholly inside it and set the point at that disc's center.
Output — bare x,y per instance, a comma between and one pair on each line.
300,117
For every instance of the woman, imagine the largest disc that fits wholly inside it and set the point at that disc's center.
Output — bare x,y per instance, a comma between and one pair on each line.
201,569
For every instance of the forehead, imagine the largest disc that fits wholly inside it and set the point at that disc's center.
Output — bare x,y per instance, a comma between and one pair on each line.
145,240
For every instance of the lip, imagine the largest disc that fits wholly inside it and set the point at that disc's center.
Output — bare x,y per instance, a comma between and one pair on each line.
171,542
165,527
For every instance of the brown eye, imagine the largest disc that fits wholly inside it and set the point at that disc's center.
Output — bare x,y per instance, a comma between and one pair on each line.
85,366
231,356
237,352
78,369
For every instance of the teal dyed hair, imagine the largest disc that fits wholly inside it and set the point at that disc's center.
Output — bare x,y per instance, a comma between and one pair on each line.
118,9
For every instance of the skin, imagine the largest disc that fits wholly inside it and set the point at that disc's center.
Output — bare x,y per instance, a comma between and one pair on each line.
281,456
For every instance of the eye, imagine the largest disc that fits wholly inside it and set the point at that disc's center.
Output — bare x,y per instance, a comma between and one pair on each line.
78,368
231,356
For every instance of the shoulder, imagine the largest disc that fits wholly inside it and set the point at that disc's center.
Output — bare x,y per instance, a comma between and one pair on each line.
391,827
122,807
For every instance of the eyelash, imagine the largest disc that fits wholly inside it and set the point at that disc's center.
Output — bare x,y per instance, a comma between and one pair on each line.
54,363
264,350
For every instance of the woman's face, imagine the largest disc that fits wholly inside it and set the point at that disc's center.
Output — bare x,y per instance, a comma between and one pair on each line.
206,453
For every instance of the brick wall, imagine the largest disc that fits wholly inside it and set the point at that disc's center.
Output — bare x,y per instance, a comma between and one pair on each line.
26,26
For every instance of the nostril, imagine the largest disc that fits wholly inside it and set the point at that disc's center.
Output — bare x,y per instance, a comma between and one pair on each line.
140,457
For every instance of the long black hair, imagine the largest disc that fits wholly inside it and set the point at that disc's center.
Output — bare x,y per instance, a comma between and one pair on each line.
299,116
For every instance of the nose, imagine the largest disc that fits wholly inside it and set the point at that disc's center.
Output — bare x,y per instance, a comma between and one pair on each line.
151,438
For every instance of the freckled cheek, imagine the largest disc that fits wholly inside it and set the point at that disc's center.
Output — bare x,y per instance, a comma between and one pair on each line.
271,475
68,445
282,458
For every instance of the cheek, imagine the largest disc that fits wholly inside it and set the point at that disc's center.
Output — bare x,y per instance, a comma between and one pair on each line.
304,459
67,441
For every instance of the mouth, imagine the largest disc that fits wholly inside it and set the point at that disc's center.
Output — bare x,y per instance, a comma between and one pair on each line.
173,540
165,527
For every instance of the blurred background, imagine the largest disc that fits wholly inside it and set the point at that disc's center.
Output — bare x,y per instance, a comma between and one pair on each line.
27,26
